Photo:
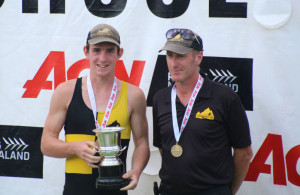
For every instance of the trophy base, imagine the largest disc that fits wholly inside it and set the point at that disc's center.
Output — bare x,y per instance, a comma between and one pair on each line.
111,183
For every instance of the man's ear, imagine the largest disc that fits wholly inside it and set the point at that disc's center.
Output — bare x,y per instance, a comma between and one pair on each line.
120,53
199,57
85,51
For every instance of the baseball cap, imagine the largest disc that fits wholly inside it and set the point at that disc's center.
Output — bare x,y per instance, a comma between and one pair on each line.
103,33
182,41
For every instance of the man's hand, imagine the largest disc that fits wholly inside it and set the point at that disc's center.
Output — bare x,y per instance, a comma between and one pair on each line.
134,178
86,150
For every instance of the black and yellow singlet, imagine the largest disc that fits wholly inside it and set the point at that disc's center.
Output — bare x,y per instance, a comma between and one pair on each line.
79,177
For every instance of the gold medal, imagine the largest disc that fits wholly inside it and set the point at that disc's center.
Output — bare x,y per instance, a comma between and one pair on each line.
176,150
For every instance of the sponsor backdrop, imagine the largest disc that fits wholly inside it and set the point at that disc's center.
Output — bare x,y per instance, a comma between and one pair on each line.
250,45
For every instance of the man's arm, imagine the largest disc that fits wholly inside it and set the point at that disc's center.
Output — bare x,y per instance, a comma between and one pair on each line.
139,125
241,161
51,145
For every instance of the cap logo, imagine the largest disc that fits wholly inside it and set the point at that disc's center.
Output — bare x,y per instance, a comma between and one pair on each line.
177,38
105,32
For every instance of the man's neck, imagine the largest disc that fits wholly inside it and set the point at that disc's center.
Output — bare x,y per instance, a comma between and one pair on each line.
187,86
102,83
185,89
102,88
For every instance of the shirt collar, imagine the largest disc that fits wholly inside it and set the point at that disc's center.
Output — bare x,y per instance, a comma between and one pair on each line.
205,91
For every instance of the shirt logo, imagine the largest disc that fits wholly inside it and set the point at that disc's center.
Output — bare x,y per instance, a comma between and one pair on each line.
206,114
114,124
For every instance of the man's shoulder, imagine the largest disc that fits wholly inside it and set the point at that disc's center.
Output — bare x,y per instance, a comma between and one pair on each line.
136,96
67,85
162,95
65,90
62,95
136,100
164,92
134,91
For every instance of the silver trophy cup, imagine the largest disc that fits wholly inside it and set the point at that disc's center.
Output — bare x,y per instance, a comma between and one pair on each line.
111,168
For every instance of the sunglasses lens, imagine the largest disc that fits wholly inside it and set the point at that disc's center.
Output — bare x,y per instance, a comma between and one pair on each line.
172,33
187,34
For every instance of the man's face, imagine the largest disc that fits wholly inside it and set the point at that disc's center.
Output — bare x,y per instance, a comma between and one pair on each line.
103,57
183,66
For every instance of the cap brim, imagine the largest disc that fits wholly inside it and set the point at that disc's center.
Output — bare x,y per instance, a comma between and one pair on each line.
102,39
176,48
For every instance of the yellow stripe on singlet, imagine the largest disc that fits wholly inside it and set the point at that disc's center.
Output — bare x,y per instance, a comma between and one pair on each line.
75,164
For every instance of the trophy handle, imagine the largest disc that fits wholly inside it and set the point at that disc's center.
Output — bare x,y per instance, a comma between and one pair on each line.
123,149
119,153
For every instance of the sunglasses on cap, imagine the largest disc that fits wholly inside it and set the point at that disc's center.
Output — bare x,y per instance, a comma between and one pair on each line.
185,34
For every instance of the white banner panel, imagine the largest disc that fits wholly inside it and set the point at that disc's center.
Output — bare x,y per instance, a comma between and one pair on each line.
251,46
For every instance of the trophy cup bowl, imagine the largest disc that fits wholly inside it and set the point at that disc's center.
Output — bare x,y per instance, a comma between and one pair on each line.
111,168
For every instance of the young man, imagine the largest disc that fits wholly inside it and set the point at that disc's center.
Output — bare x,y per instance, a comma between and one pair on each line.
196,123
82,104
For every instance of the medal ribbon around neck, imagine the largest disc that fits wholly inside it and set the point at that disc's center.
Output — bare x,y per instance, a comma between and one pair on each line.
109,105
188,110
